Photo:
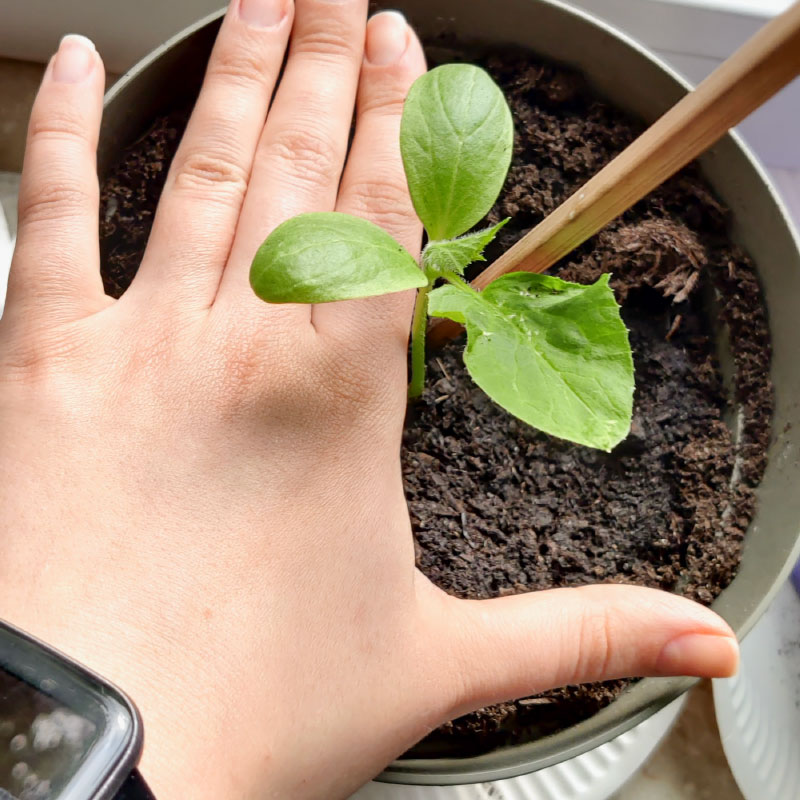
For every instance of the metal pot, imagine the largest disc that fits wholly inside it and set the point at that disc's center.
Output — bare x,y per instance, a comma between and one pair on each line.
634,80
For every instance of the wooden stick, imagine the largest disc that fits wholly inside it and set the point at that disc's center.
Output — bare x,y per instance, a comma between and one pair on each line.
754,73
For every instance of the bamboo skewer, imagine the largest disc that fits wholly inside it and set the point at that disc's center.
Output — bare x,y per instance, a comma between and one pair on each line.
754,73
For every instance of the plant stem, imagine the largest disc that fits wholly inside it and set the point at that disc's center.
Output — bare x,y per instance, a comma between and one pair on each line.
420,325
418,328
457,281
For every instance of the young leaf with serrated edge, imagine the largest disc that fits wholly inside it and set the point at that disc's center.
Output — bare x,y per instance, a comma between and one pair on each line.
455,255
456,138
327,256
554,354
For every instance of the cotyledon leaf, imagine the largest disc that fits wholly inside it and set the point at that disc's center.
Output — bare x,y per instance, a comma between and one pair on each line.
554,354
456,138
327,256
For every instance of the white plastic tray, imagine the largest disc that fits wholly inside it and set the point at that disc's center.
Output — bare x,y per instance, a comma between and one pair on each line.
595,775
758,711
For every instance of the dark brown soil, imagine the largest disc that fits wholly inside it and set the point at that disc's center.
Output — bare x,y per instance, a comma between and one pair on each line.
498,508
129,197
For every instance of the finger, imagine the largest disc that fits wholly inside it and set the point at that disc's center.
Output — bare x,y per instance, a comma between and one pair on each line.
302,150
374,183
56,267
203,195
516,646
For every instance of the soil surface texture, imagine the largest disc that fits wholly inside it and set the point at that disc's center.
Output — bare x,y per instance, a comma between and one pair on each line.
498,508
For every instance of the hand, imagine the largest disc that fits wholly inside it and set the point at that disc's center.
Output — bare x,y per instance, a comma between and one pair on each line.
200,494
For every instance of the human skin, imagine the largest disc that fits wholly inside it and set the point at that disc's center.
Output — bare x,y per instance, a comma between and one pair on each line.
200,493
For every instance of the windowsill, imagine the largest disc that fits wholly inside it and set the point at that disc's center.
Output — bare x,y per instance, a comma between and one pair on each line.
755,8
693,35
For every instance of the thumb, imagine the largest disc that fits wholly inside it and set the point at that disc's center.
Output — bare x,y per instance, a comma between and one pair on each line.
511,647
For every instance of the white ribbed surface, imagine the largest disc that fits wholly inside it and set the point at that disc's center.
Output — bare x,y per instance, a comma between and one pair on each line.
592,776
758,711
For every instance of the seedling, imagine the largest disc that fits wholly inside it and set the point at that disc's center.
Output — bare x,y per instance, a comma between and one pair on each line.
554,354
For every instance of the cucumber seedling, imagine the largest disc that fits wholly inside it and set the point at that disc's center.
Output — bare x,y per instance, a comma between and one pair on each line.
554,354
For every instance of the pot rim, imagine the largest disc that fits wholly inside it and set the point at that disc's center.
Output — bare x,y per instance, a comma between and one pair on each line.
650,694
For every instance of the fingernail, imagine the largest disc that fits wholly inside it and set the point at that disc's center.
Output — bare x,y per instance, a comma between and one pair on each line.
74,60
262,13
700,654
387,38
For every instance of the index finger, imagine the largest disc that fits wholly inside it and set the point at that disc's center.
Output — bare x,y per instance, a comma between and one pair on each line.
56,266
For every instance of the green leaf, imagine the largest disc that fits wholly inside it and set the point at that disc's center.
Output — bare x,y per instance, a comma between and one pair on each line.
455,255
554,354
321,257
456,139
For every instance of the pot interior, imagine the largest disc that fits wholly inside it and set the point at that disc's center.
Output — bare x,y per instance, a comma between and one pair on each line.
633,81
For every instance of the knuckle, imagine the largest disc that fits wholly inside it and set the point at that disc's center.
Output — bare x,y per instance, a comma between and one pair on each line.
307,155
334,41
595,645
204,171
54,200
40,356
58,127
238,67
383,100
384,202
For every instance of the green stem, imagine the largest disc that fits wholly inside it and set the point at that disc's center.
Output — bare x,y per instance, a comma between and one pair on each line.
418,328
420,325
458,281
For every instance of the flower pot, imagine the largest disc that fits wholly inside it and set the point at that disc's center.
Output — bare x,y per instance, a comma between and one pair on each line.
635,81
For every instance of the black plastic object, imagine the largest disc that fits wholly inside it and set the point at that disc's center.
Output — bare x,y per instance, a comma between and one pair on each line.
65,733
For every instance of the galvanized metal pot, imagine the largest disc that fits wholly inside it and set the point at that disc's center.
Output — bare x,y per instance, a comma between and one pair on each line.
636,81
